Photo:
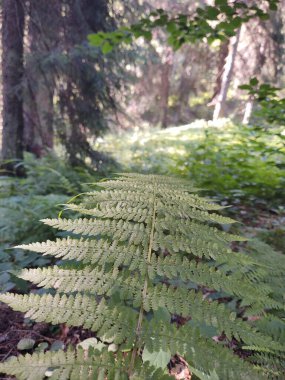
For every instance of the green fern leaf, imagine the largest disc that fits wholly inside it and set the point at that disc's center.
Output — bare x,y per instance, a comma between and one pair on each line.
142,242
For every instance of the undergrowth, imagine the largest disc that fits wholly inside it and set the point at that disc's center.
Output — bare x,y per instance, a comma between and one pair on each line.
237,163
49,183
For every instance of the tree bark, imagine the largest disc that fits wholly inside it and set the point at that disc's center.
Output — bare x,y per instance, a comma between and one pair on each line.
79,98
39,76
12,71
223,53
259,55
248,111
226,78
167,63
164,95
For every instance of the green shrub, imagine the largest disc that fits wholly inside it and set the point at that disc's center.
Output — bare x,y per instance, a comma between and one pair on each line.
233,161
145,256
239,163
49,182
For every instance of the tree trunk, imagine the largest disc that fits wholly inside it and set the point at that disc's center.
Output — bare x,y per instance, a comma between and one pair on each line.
80,97
12,71
223,53
164,95
167,63
277,35
40,83
38,110
248,111
226,78
259,55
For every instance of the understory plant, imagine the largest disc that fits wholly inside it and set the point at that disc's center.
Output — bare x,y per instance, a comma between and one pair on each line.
234,163
49,182
140,270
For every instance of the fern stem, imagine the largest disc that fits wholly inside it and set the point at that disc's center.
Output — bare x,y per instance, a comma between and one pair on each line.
144,293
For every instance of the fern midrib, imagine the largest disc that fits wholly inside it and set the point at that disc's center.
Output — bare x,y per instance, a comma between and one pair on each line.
144,292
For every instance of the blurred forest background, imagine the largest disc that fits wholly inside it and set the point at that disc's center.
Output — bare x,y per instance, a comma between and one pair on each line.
73,113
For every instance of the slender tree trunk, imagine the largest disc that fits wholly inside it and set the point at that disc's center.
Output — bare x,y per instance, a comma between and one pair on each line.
184,90
12,71
248,111
226,77
277,35
165,86
223,53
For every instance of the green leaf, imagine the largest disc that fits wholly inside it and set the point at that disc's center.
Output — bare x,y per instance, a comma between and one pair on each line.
229,11
107,47
25,344
236,22
240,6
253,81
158,359
162,314
95,39
147,35
263,16
221,2
273,6
171,27
212,13
244,87
161,21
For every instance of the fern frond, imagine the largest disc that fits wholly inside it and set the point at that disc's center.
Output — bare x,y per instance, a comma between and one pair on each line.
68,365
136,214
99,251
119,230
146,240
140,183
272,365
237,284
211,313
78,310
184,227
71,280
188,342
175,243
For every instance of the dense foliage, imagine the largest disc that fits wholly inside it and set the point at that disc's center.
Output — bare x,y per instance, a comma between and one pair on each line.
148,251
270,104
229,161
187,29
50,182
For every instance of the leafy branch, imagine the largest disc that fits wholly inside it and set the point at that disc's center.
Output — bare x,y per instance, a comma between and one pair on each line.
210,23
